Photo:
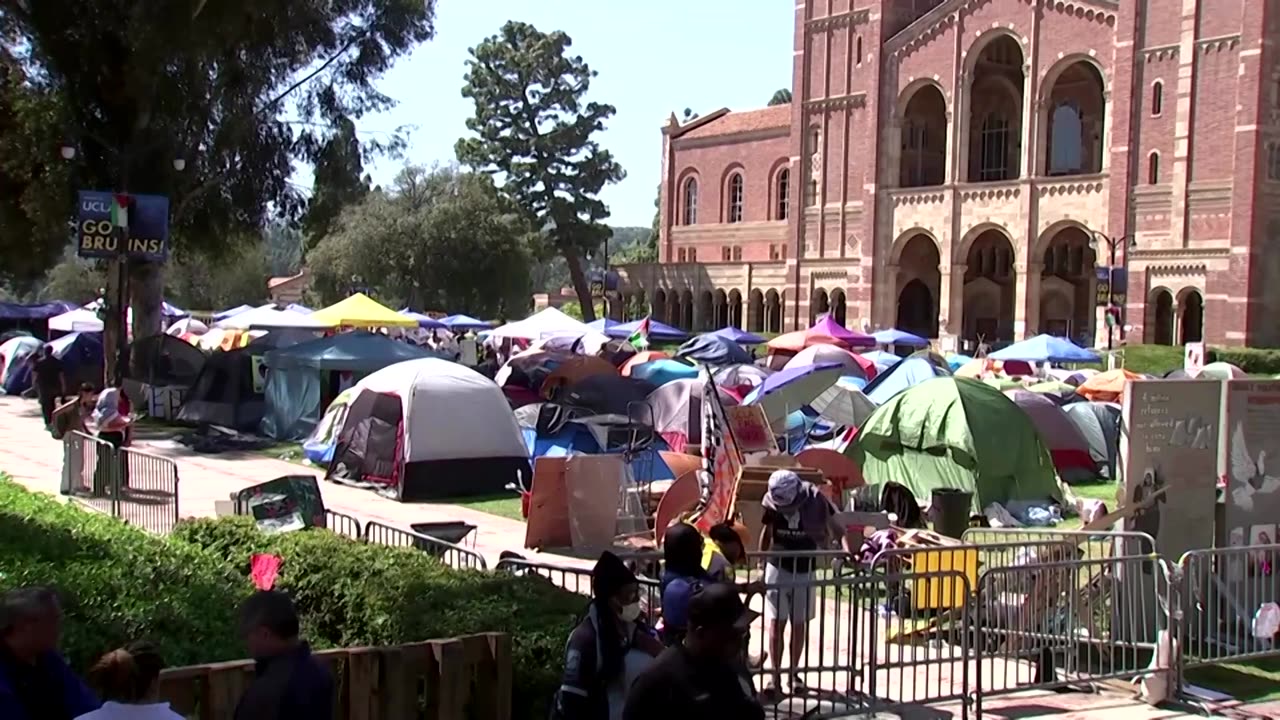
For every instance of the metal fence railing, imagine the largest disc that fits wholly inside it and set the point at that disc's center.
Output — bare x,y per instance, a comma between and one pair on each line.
578,580
451,554
135,486
343,524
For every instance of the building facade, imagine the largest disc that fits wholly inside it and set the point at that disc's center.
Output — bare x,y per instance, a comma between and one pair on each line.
970,169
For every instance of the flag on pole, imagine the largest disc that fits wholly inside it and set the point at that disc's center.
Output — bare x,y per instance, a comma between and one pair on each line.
640,338
722,461
120,211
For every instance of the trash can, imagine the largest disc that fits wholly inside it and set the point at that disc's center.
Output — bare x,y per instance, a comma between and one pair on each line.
949,509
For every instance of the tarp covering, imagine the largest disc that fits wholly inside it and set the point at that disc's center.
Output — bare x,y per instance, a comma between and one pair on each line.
358,351
42,311
713,350
360,310
955,433
1099,423
1046,348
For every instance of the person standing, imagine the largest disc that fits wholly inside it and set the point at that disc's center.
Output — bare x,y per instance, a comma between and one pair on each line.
111,419
683,575
35,682
288,683
798,519
50,381
699,678
129,680
607,649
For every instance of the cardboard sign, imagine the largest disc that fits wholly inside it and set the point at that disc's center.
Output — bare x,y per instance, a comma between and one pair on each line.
723,458
751,428
291,502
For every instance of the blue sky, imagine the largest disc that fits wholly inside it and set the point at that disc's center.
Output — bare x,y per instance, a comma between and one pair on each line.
653,57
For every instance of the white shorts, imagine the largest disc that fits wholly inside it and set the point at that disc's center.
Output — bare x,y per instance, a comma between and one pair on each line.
789,595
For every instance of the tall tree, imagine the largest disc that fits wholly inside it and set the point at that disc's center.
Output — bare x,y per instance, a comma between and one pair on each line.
534,127
237,90
439,240
339,181
781,97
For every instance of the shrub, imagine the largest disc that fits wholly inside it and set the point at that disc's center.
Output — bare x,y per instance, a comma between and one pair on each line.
1255,361
120,584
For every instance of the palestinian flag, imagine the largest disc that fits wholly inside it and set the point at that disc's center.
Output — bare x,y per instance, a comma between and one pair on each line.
120,211
640,338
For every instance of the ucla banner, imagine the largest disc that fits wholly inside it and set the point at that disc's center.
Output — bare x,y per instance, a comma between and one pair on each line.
144,220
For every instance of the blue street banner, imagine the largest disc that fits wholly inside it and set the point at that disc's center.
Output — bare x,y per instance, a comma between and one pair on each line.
145,219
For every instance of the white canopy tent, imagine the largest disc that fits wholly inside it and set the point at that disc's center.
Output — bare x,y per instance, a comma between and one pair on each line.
78,320
543,323
268,318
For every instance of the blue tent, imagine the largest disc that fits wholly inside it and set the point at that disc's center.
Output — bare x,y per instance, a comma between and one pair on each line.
662,371
297,377
657,330
44,311
742,337
576,438
603,325
713,349
424,321
894,336
1046,348
462,323
882,359
82,358
906,374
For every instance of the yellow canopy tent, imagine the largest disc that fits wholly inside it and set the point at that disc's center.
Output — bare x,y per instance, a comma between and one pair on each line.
360,310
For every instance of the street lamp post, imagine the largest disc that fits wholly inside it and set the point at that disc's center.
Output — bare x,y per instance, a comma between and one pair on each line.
1125,242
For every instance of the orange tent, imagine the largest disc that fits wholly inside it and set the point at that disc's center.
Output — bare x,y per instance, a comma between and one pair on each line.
641,358
1107,386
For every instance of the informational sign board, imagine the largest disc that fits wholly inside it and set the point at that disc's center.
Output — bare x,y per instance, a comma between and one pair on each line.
1250,464
1193,358
1169,439
99,214
291,502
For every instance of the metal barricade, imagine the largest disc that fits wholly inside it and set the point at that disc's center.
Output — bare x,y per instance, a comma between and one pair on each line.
578,580
343,524
1094,545
1221,591
1046,625
137,487
450,554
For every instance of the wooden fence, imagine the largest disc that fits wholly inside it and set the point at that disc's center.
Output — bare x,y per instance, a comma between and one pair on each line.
467,678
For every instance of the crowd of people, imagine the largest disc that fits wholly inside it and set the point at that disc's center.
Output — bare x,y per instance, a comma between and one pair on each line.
36,683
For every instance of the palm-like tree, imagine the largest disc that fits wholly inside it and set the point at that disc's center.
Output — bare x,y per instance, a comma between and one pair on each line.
782,97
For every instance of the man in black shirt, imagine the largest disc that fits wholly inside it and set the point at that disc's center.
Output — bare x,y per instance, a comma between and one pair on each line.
698,679
50,382
288,683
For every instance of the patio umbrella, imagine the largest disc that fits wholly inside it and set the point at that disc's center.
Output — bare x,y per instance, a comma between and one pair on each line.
1046,348
844,405
824,332
741,374
713,350
789,390
883,360
742,337
894,336
855,364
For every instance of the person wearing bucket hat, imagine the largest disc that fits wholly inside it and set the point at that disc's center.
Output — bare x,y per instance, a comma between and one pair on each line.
798,519
607,650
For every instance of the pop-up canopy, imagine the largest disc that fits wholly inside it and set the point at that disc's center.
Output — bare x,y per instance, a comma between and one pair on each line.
541,324
360,310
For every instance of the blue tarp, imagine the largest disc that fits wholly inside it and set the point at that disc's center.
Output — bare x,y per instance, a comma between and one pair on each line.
603,325
1046,348
662,371
906,374
43,311
646,466
459,323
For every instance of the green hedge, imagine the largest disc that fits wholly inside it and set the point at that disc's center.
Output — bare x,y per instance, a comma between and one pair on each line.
1255,361
181,592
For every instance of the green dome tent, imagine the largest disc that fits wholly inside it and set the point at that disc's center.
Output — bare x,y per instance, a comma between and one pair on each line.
955,433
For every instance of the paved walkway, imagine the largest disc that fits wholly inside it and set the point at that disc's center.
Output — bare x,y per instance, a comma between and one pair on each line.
33,458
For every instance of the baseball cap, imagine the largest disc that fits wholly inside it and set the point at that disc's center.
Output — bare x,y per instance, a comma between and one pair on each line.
719,605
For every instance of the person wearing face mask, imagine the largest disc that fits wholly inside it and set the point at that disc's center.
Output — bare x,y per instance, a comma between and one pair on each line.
608,649
700,677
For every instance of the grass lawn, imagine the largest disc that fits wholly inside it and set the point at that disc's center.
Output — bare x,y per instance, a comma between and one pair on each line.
1258,681
1154,359
505,505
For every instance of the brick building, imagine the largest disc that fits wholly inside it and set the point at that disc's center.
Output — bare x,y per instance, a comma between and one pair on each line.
963,169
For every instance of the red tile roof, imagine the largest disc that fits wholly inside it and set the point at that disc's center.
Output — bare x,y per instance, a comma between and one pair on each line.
778,116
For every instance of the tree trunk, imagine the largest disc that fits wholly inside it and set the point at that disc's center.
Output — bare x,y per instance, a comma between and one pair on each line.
580,284
113,329
146,291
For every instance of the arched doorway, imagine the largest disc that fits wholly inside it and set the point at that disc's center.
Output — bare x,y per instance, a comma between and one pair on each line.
989,286
755,311
919,281
839,309
735,309
659,308
1073,118
686,310
706,311
819,305
772,312
995,111
924,139
719,310
1068,286
1159,321
638,307
1191,314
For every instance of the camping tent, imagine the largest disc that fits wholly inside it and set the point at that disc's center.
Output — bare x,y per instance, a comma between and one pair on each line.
659,331
430,429
1046,348
164,360
360,310
78,320
299,385
955,433
13,362
1099,423
900,377
229,390
1067,446
824,332
323,440
548,321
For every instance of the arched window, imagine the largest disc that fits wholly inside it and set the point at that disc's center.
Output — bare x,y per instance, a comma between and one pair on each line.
857,53
1153,168
995,148
783,205
690,201
1157,97
735,198
1273,161
1067,142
